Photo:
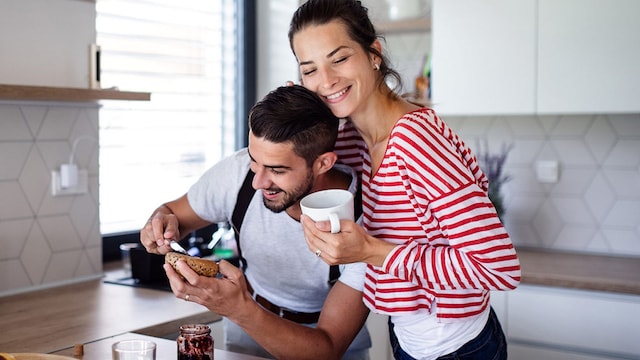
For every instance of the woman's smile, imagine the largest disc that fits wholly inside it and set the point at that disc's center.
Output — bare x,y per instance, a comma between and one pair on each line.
337,96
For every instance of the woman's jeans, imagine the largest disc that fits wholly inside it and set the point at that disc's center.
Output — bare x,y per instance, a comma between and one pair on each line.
490,344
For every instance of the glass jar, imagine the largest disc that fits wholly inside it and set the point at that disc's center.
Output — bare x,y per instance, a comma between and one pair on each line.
195,342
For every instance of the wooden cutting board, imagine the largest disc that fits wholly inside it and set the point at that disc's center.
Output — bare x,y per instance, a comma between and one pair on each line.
33,356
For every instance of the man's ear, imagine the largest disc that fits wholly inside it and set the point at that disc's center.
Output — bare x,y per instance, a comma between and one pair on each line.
325,162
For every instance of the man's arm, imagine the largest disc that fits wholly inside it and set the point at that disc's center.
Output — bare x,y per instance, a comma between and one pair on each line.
168,222
343,314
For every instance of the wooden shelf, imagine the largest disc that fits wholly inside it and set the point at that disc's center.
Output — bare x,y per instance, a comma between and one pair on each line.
46,93
419,24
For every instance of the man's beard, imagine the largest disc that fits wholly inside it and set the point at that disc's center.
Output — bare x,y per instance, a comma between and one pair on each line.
292,197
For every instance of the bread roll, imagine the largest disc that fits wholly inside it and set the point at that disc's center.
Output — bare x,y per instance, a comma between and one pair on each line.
201,266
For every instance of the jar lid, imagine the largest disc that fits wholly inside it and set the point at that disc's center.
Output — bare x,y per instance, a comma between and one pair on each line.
197,329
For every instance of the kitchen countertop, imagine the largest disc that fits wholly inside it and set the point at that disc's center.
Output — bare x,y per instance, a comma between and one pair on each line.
49,320
580,271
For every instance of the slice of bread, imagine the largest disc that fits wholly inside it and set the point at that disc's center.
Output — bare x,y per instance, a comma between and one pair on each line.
201,266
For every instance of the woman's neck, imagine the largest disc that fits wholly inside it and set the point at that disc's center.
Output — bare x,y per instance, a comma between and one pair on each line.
378,116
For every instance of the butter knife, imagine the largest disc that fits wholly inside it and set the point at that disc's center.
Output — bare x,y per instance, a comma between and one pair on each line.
176,247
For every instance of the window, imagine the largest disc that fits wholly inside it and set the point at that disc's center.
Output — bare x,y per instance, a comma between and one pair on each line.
186,54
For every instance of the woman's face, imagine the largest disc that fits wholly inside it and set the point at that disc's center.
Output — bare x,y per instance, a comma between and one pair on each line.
335,67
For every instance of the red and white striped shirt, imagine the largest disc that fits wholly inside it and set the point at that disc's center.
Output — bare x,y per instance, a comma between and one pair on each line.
429,196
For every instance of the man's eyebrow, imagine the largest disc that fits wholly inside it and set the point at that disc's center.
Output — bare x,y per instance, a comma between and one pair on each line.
328,55
278,167
269,166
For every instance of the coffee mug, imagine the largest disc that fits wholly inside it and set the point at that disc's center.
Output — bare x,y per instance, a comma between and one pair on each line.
332,205
135,349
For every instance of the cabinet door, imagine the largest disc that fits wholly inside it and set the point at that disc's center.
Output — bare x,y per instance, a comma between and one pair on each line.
483,56
588,322
589,56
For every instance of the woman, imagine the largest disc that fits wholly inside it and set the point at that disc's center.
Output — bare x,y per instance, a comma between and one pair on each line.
432,240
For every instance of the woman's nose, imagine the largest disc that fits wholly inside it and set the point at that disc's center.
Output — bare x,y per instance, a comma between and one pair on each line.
328,78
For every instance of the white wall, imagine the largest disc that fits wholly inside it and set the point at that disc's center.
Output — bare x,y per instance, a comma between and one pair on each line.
276,63
46,42
46,240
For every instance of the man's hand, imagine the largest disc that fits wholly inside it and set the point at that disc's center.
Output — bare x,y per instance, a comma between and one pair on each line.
160,229
167,223
225,295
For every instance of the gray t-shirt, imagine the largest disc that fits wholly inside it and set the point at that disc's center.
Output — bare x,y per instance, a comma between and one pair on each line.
280,266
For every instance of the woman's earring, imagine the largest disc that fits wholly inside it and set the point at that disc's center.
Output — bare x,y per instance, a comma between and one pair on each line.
376,66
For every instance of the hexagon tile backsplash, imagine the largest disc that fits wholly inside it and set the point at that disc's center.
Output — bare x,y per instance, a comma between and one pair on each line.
595,205
46,240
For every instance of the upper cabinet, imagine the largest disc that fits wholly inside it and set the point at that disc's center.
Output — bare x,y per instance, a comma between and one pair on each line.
588,56
483,56
535,56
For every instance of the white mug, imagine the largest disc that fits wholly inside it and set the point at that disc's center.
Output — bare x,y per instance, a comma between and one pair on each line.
332,205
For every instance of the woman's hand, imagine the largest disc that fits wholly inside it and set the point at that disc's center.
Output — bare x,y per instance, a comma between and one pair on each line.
352,244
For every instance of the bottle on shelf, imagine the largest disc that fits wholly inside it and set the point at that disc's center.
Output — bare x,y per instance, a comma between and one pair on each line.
423,82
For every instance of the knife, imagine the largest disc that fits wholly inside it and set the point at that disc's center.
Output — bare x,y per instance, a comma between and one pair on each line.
176,247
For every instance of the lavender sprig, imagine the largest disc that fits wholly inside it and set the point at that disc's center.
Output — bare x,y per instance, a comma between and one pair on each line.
492,165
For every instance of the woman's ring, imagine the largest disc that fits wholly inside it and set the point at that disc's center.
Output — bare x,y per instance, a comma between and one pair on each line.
318,252
186,297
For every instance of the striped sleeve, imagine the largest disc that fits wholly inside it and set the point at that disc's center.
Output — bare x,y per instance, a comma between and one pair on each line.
467,247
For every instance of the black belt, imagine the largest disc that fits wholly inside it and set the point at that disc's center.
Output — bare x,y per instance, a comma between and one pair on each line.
297,317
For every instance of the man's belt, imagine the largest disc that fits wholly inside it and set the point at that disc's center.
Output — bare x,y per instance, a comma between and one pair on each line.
297,317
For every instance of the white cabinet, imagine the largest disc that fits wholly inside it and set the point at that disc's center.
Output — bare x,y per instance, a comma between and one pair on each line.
483,56
379,332
554,323
588,56
535,56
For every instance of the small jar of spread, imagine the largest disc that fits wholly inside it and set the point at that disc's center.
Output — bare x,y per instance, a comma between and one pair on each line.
195,342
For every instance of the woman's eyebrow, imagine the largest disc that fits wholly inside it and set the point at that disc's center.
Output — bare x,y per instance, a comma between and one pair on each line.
329,55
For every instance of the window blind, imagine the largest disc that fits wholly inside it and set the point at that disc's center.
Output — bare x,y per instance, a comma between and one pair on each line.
183,53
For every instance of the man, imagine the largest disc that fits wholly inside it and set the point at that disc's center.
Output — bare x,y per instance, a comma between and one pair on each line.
291,140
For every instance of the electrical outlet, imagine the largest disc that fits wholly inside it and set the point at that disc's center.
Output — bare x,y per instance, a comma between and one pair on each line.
547,171
82,186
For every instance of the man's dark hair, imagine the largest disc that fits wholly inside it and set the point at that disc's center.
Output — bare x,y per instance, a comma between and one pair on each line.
297,115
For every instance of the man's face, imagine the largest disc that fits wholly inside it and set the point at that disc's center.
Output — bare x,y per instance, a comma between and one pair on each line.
283,177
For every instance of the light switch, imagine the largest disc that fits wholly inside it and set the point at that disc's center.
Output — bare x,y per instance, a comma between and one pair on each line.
547,171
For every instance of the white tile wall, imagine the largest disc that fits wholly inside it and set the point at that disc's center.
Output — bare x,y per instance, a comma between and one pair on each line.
595,205
46,240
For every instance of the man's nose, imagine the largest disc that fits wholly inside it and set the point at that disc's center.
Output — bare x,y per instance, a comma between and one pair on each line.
260,180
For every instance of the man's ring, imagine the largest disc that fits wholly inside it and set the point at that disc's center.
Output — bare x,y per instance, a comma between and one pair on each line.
318,252
186,297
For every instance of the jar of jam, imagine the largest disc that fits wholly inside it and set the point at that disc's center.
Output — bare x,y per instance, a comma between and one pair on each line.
195,342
